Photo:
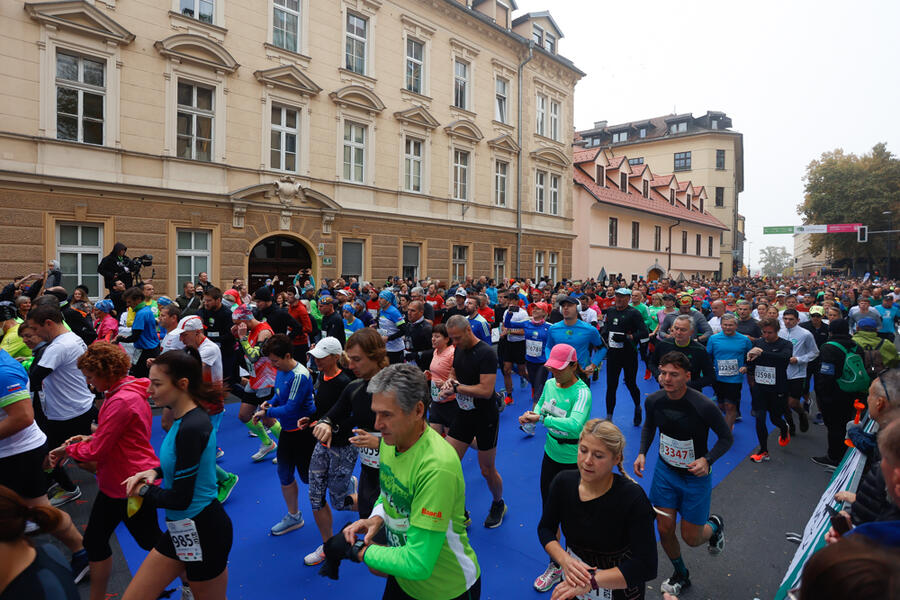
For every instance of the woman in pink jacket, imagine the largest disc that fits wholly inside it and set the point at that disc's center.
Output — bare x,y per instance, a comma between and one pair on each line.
106,326
120,447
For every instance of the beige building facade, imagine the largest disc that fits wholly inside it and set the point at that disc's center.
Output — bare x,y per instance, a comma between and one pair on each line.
703,149
805,262
356,137
640,225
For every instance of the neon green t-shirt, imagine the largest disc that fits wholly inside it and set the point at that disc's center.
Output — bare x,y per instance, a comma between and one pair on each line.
565,411
13,344
422,502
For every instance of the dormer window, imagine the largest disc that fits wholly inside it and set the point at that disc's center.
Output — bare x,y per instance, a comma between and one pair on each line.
600,176
672,197
550,43
646,189
701,205
623,182
642,132
620,136
714,124
689,205
537,34
678,127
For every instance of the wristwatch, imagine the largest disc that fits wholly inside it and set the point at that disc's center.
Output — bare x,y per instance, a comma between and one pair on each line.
455,386
355,549
142,491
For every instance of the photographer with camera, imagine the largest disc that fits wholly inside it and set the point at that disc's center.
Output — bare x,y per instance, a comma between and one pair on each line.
115,266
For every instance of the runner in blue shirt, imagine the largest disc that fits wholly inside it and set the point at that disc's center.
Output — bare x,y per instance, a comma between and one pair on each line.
480,327
728,352
536,333
890,313
143,331
391,326
578,334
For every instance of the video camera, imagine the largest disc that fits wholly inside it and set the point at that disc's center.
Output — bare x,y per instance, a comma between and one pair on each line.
135,265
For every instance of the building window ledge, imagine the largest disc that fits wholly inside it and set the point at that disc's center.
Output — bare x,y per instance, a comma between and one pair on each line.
348,76
542,138
459,113
287,57
191,25
416,97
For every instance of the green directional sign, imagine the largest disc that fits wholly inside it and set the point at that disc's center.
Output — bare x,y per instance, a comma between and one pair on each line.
779,229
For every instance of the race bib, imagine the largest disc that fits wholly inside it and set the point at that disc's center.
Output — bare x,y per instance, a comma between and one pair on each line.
534,348
370,456
396,530
495,335
601,594
185,539
615,338
728,367
677,453
465,402
373,312
553,411
212,334
765,375
435,392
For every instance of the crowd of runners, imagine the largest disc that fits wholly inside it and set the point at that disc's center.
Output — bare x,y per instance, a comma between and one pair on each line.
402,377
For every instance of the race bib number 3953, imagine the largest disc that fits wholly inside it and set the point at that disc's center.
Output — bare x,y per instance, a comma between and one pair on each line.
185,539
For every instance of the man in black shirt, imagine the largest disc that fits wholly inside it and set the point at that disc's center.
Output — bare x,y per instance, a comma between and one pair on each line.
767,364
681,479
472,379
702,371
278,319
418,335
456,304
217,321
78,322
623,331
746,324
189,301
332,323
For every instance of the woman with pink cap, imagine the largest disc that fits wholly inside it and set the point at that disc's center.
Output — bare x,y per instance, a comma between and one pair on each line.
564,408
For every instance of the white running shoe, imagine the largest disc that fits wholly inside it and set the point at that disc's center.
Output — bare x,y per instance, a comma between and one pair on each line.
550,577
315,557
186,593
263,451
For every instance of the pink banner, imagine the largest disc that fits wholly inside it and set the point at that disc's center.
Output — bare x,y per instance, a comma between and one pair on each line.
844,228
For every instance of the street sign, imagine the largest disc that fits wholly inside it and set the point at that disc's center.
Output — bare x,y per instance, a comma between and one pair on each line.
834,228
327,260
844,228
780,229
811,229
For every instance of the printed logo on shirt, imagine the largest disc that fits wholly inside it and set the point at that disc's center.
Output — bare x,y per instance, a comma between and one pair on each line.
428,513
14,388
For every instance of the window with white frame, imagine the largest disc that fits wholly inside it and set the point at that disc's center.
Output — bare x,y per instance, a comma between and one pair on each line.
460,84
192,252
554,120
553,266
540,188
284,138
499,264
642,132
549,42
286,24
460,258
501,171
80,98
79,248
412,165
415,65
354,152
540,110
501,110
352,253
202,10
195,121
620,136
356,42
538,264
411,254
537,34
460,174
554,195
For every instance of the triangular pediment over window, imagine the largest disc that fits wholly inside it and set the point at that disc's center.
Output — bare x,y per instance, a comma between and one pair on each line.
551,156
417,115
504,142
199,50
464,129
356,96
288,77
81,17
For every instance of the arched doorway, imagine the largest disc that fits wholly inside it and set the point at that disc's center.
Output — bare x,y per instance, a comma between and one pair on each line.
277,255
654,275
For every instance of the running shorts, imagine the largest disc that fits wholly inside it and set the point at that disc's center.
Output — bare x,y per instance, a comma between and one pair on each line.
482,423
216,535
688,494
514,352
727,392
24,474
443,413
330,470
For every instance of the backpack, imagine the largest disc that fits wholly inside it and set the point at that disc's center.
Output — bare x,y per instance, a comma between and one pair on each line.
873,360
855,378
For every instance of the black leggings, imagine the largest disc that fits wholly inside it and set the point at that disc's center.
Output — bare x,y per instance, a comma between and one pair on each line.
773,404
837,409
393,591
106,514
617,362
550,469
58,432
537,377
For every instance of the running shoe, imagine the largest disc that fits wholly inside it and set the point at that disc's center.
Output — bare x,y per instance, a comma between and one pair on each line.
51,491
638,416
186,593
717,541
496,514
251,433
226,486
676,584
825,461
804,421
761,457
80,565
263,451
528,428
467,520
508,400
647,374
219,453
550,577
784,441
315,557
287,523
62,497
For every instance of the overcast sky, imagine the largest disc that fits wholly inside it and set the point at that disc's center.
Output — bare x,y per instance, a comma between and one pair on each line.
798,78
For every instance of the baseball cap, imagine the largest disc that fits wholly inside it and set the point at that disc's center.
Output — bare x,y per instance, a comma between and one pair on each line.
685,300
543,306
460,291
563,298
242,313
623,292
868,323
817,310
326,346
189,323
264,294
560,356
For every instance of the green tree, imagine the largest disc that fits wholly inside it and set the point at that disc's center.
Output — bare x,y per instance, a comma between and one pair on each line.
773,260
845,188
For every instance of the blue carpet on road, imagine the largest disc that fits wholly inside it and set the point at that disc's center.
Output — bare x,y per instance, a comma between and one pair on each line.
511,557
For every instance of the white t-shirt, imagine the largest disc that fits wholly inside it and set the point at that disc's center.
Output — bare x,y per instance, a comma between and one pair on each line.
27,439
588,315
66,394
171,342
211,357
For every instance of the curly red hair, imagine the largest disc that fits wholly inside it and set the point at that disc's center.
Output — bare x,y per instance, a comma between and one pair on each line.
106,361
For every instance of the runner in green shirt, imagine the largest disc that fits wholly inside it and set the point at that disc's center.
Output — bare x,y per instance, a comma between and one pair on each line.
422,501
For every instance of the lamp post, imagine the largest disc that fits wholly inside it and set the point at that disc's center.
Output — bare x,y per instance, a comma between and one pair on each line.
890,239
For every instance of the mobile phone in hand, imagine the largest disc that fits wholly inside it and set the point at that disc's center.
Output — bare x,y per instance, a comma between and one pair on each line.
838,521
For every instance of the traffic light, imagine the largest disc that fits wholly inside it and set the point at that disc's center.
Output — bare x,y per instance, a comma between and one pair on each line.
862,234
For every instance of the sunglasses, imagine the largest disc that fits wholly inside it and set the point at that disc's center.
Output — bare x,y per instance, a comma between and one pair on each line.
887,396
